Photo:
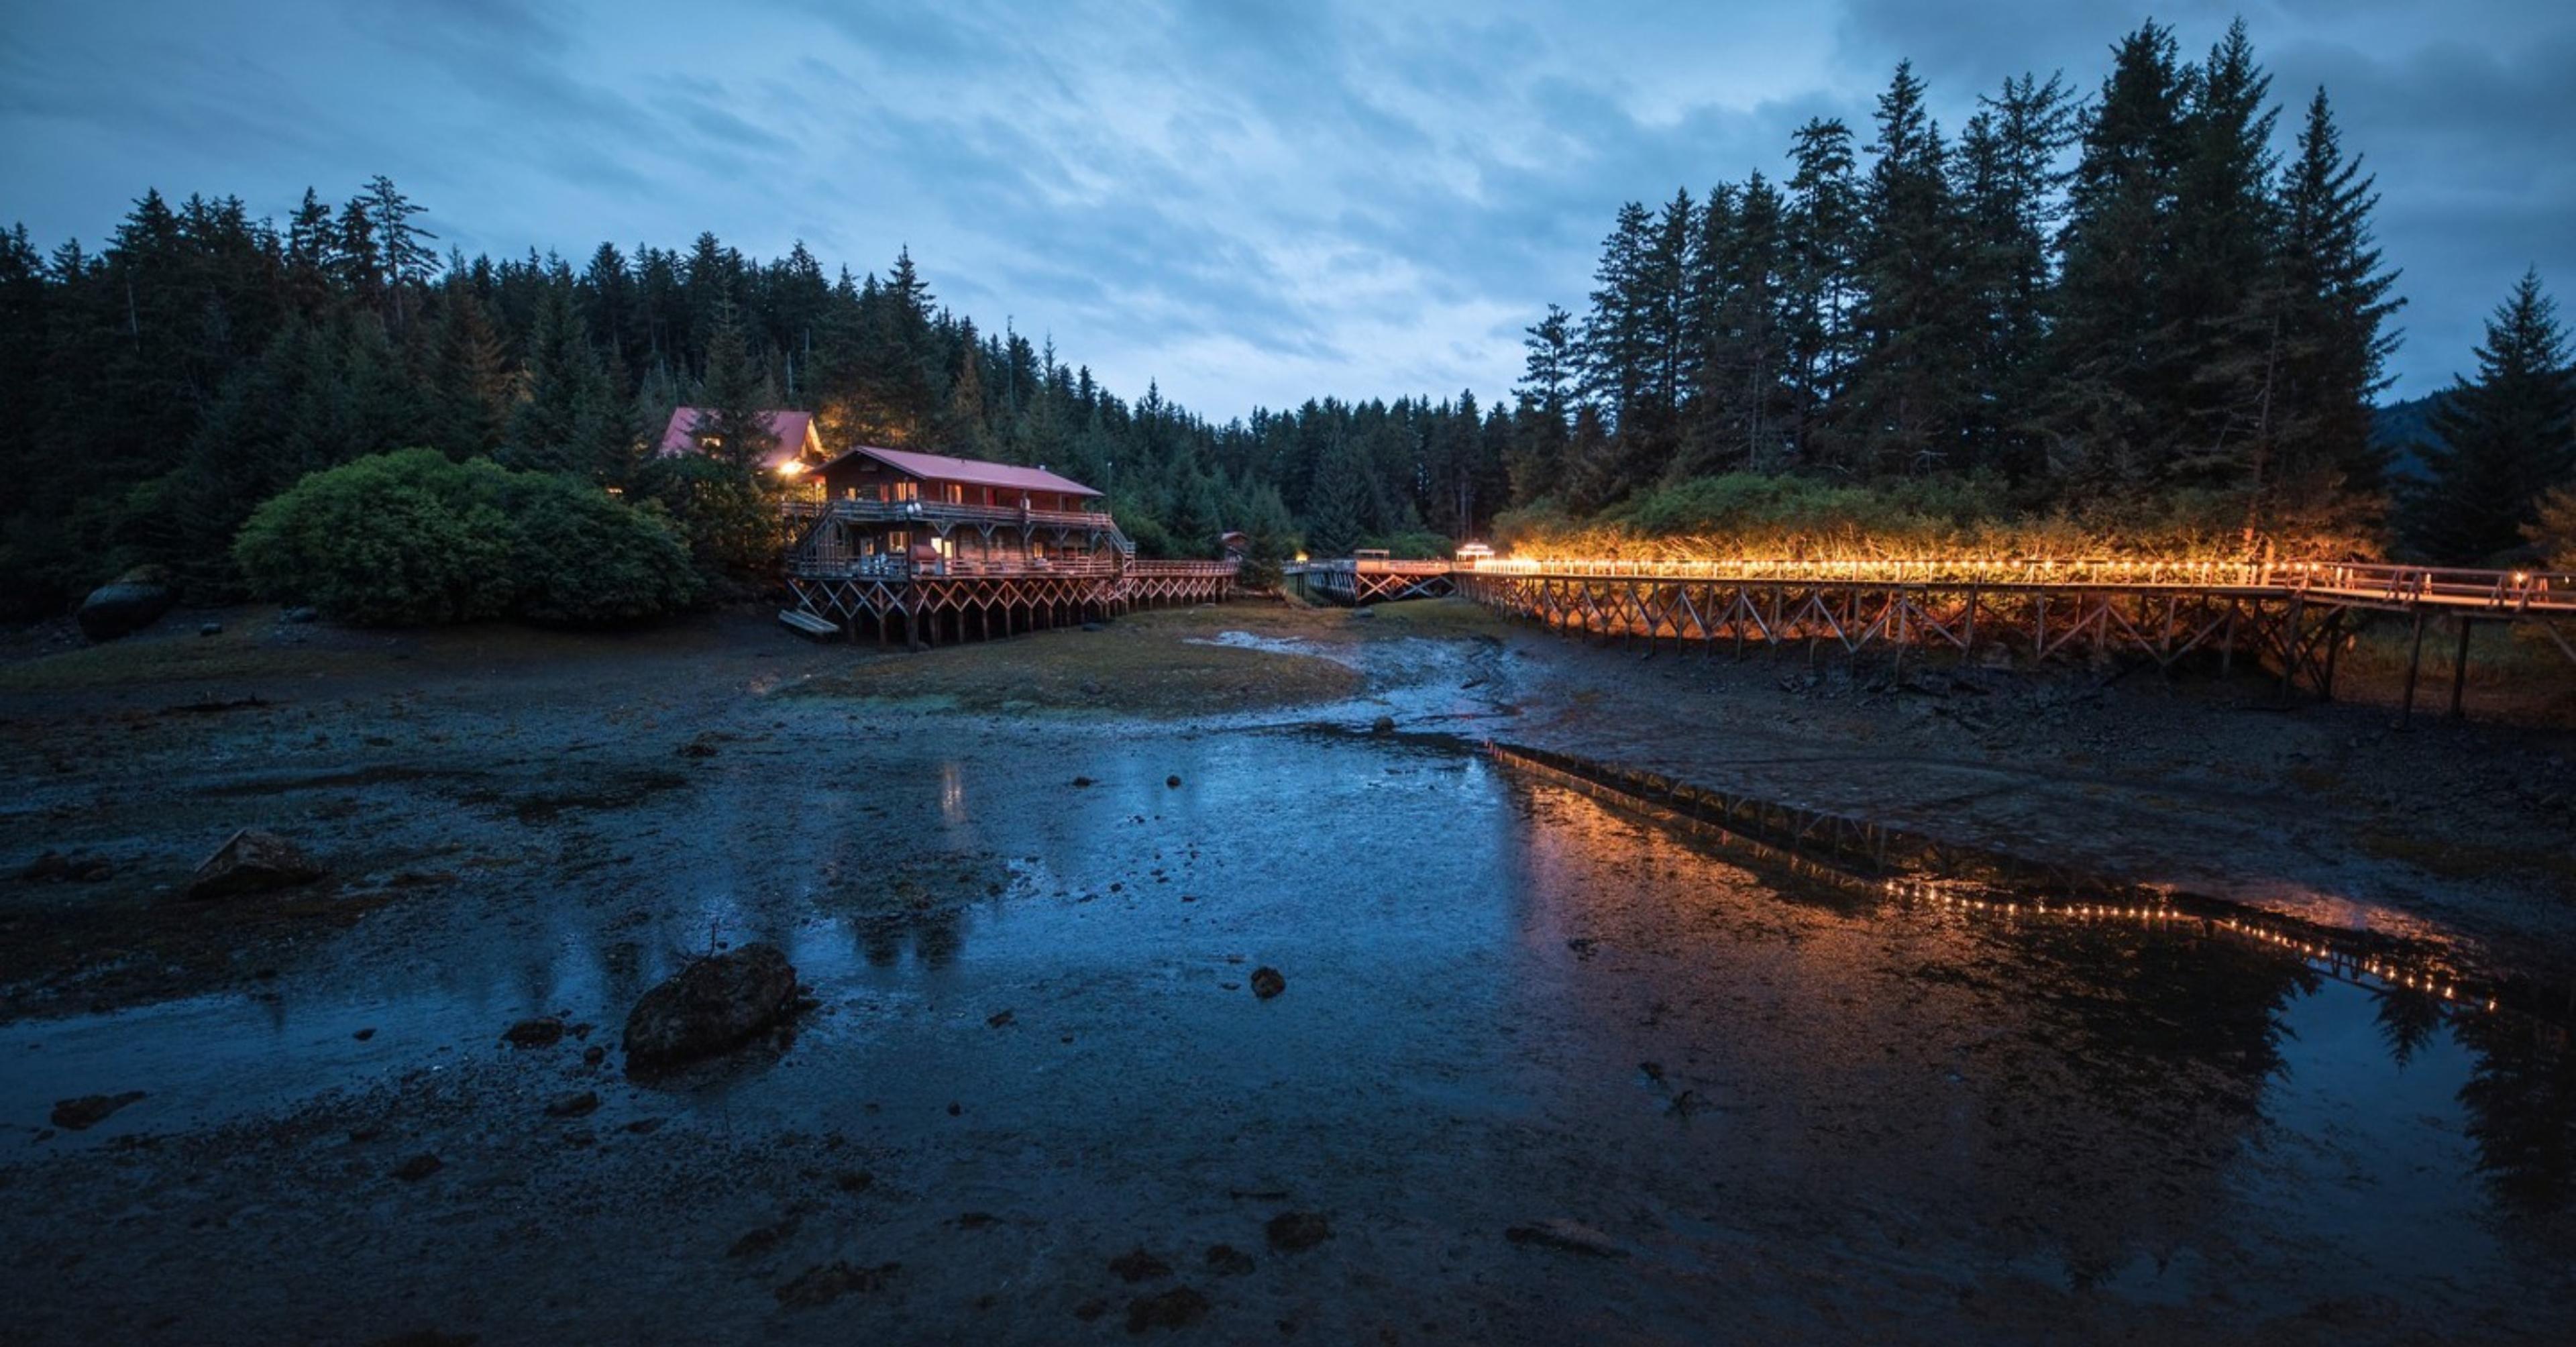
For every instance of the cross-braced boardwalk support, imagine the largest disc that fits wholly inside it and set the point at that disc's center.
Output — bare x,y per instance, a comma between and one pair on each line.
2297,619
1365,580
926,608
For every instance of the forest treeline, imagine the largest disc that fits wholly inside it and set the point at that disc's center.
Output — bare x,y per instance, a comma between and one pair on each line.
2121,315
2126,316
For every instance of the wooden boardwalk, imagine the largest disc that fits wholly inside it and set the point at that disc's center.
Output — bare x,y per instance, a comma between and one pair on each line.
2295,616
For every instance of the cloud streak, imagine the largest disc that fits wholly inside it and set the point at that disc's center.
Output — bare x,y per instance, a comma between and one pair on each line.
1249,203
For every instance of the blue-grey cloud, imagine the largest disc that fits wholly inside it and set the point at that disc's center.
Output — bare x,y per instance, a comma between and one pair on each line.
1249,202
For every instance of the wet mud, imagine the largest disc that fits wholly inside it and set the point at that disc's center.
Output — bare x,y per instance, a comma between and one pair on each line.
1553,1046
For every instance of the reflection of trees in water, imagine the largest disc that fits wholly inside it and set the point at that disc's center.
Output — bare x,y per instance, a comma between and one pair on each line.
2155,1049
2406,1021
2162,1023
2521,1102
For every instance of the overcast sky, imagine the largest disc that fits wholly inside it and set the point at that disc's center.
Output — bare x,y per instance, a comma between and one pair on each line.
1251,202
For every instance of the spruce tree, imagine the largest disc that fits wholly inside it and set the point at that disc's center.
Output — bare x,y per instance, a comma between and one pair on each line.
2334,304
1616,349
2501,442
1749,365
1821,224
2220,321
733,405
1911,334
1545,398
2112,360
571,419
2007,185
470,392
402,247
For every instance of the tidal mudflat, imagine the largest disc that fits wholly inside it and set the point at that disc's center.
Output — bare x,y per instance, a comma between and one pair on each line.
1538,1065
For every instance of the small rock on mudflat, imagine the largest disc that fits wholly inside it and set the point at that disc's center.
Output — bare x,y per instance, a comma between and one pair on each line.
1294,1231
1383,725
252,861
572,1105
714,1004
1136,1265
1172,781
418,1167
1225,1260
1179,1307
542,1032
1268,982
1571,1236
72,1115
824,1283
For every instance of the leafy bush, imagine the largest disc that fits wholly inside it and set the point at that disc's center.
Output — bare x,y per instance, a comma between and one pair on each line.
399,539
583,559
412,538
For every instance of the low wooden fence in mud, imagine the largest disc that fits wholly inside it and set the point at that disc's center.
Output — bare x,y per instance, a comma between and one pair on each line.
2298,618
1876,861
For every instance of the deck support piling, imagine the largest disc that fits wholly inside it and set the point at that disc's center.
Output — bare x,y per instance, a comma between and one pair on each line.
2460,668
2414,666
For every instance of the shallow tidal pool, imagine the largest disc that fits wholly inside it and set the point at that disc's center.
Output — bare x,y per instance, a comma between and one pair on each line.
1739,1100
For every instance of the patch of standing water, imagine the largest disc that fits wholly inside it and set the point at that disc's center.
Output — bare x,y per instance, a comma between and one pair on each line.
1504,1000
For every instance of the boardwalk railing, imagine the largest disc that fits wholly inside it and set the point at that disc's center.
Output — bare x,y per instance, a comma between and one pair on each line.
2368,582
2297,615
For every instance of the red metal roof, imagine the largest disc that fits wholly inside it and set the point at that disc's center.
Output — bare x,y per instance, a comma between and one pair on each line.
972,471
787,430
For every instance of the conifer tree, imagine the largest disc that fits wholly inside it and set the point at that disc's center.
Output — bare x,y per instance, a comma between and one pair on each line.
1910,332
2217,306
1549,378
2503,441
402,248
733,406
470,386
2334,304
2008,185
1822,221
2111,365
570,419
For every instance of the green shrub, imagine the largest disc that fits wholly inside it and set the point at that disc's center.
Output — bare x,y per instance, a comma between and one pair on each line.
583,559
412,538
400,539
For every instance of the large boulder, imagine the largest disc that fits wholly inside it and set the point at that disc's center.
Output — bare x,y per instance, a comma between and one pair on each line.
713,1004
133,602
251,861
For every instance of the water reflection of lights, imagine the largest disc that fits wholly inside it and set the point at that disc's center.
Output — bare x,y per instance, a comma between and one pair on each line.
2359,967
952,793
1872,858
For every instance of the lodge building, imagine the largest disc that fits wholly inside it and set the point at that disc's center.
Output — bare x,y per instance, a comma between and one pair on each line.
927,548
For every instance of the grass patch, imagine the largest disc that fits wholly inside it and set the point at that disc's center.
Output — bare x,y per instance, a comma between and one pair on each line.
2451,859
235,655
1145,664
1434,618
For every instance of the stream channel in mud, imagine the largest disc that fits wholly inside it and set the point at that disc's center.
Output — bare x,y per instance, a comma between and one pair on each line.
1783,1104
